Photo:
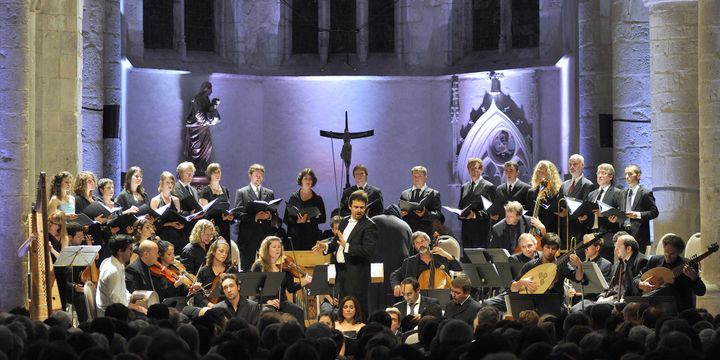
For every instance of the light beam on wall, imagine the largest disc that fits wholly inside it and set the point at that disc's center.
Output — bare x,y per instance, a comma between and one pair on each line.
125,67
565,77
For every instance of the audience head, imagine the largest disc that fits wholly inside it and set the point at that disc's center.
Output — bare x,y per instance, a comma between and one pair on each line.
350,311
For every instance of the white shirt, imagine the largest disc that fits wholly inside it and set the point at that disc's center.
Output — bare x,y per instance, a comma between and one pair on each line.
111,285
256,190
415,308
604,190
342,250
632,199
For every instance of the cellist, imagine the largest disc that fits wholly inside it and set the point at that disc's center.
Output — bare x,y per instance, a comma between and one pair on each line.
416,264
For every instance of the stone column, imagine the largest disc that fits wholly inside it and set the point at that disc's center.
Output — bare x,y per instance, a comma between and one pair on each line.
631,89
674,94
362,7
111,88
505,40
594,79
93,28
324,35
400,8
15,142
179,27
709,111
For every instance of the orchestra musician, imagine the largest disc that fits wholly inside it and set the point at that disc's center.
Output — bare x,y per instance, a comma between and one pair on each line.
463,306
68,278
272,259
193,254
166,260
630,262
375,198
685,287
592,254
528,252
413,302
421,219
237,305
416,264
111,286
353,245
546,171
253,227
476,225
137,274
217,262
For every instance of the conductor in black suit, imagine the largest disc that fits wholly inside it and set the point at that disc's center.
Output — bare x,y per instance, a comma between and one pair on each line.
597,223
578,187
421,220
353,245
254,227
513,189
638,203
375,198
413,303
476,225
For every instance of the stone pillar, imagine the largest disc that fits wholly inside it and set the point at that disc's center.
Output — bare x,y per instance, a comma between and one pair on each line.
111,87
631,89
674,94
15,142
505,40
400,8
362,7
709,111
179,27
594,79
93,28
323,35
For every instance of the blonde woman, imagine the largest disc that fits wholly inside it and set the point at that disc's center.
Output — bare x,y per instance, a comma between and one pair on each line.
60,198
546,180
193,254
271,259
165,187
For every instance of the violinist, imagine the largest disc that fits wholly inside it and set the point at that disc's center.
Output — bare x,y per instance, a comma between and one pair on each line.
193,254
177,283
273,259
137,274
217,262
416,264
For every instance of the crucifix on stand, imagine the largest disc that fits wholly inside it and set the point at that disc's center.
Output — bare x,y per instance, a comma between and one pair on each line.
346,152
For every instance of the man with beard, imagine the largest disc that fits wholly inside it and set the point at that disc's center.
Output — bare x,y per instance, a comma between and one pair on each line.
414,265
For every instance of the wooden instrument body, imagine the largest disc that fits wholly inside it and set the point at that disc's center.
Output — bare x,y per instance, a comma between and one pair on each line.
660,276
544,275
434,279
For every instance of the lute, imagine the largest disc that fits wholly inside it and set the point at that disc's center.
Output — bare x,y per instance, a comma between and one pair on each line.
660,276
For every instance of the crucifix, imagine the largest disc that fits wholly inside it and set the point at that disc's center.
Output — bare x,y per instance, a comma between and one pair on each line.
346,152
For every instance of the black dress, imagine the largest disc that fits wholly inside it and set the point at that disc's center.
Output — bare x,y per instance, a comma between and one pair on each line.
206,276
126,200
304,235
81,203
223,225
169,233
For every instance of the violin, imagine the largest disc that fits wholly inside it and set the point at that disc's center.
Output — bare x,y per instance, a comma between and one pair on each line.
213,287
169,274
289,264
177,265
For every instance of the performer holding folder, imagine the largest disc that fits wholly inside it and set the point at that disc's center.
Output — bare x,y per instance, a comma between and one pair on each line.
305,210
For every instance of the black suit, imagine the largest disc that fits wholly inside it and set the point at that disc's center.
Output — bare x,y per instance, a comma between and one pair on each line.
425,301
432,207
580,191
465,312
374,196
247,310
392,248
611,197
353,278
181,192
503,240
631,268
643,202
413,267
137,277
683,288
476,232
519,193
250,232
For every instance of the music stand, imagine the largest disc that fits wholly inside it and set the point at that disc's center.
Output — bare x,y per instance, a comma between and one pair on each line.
666,304
540,303
498,255
251,283
476,256
81,255
320,284
482,276
596,283
508,272
273,284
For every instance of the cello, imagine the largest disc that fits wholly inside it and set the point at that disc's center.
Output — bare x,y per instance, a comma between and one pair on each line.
435,277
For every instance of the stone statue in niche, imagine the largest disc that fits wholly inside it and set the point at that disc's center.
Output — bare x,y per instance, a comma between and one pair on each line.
203,114
503,146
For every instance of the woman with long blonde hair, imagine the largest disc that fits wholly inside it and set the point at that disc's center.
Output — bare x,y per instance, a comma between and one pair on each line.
546,185
217,262
272,258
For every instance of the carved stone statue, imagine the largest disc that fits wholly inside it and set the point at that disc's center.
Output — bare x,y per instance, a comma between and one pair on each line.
202,114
